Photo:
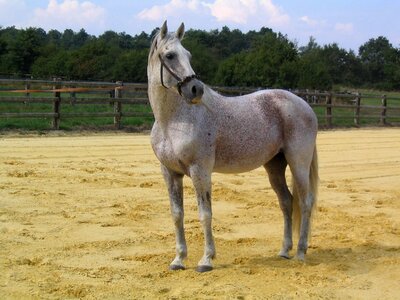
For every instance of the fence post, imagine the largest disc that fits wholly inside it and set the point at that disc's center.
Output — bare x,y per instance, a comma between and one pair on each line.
118,105
328,112
56,105
72,96
27,88
384,109
358,109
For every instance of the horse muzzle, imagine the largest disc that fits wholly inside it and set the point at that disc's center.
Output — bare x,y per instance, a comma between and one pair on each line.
192,90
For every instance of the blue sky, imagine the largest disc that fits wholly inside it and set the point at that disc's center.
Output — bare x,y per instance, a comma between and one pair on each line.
350,23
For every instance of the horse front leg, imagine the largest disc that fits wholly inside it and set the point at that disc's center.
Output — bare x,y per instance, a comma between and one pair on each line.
202,183
174,183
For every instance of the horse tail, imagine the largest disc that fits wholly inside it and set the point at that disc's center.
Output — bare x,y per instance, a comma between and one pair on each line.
313,192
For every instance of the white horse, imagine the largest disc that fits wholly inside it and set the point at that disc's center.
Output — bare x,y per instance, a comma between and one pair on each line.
270,128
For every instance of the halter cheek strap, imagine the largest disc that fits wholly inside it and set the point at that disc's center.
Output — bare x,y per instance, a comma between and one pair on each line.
180,83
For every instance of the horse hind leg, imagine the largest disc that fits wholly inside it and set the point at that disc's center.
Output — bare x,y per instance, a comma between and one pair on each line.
305,188
276,168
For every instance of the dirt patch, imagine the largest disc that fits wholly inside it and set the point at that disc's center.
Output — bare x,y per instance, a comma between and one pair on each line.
88,217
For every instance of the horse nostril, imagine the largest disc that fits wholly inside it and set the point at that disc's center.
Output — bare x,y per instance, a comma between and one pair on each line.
200,91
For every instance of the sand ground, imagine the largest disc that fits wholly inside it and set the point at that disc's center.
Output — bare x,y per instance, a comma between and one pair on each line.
88,217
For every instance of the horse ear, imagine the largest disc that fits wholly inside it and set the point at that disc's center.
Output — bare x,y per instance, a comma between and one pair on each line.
164,30
180,32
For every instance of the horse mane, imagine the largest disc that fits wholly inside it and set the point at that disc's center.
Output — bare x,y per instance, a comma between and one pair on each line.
153,46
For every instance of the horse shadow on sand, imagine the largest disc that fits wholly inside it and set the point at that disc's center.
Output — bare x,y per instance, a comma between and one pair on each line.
351,260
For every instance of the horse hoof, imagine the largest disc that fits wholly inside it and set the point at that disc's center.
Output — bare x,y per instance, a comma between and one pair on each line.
284,255
300,257
204,268
176,267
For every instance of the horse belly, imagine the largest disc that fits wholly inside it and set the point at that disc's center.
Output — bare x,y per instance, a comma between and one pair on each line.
247,154
240,165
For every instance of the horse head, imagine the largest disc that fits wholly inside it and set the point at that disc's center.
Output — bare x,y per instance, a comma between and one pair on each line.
169,65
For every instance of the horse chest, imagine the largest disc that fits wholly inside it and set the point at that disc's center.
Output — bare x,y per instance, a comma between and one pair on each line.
176,154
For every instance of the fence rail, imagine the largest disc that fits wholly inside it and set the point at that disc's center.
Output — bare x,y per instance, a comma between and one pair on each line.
58,93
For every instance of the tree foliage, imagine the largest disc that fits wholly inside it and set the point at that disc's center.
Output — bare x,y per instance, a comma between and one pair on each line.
226,57
381,63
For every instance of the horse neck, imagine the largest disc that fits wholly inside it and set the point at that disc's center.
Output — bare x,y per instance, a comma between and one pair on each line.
164,103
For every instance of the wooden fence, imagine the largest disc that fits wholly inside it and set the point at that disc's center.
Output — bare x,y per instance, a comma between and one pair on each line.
356,107
58,93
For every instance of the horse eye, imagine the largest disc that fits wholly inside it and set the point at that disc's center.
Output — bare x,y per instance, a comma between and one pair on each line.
170,56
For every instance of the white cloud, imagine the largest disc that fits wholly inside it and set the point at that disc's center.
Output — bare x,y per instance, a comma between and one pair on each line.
247,11
172,8
237,11
74,14
309,21
344,27
275,13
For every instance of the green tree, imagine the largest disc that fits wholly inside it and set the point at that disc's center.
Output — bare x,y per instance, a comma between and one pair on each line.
139,42
54,37
94,61
25,48
131,66
313,70
204,63
381,62
343,66
261,58
58,64
230,71
269,62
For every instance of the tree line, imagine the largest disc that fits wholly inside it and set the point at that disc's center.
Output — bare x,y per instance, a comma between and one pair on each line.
223,57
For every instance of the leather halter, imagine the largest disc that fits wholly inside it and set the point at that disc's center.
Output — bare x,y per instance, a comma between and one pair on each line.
181,81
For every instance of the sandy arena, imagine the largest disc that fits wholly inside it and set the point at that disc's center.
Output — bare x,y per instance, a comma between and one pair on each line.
88,217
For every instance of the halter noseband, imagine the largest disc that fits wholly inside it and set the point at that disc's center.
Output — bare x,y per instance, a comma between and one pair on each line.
181,82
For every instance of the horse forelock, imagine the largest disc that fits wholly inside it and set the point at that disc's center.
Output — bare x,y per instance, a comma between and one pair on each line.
158,43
